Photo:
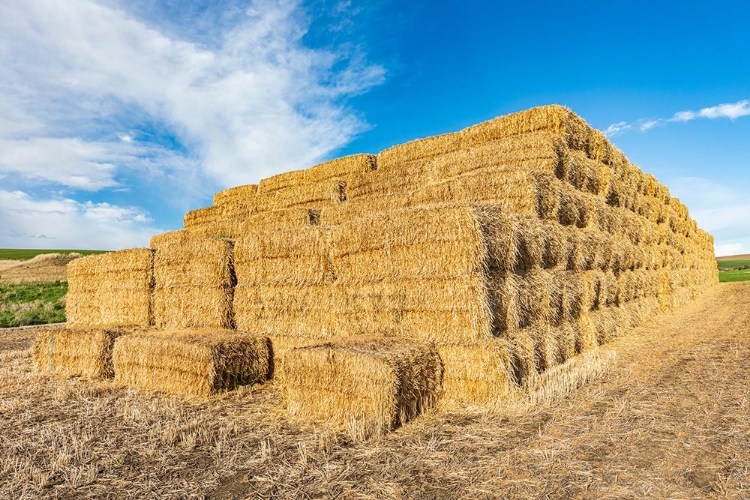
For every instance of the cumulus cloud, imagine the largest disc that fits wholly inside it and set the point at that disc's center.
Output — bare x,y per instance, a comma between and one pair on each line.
30,222
731,111
116,96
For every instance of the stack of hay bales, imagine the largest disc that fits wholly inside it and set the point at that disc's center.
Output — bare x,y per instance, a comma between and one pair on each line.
80,352
509,246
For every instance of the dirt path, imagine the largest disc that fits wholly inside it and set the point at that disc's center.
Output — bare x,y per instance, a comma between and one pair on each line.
669,419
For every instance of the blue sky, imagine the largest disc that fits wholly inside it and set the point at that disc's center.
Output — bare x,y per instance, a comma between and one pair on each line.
118,117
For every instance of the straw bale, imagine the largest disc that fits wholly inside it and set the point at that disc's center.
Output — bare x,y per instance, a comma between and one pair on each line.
193,306
367,387
341,168
534,298
584,173
531,243
522,355
310,195
236,195
555,246
363,207
191,362
586,333
285,218
548,193
504,292
169,237
286,310
203,216
547,351
513,190
578,294
566,334
76,352
285,257
477,374
394,157
533,151
196,262
501,233
608,323
383,182
555,119
110,289
576,208
449,311
281,181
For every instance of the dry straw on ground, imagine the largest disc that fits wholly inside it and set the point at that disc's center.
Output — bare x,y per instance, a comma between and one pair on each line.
191,362
367,387
76,352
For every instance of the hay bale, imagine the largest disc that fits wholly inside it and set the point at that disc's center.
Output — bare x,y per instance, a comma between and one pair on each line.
477,374
367,387
236,195
191,362
341,168
203,217
444,311
110,289
281,181
194,284
286,257
286,310
285,218
304,195
169,237
363,207
383,182
75,352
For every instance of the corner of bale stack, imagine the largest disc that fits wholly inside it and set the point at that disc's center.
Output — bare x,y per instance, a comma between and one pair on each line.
192,362
81,352
194,284
111,289
367,387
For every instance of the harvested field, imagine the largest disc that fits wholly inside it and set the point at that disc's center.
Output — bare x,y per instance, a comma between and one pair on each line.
665,416
43,267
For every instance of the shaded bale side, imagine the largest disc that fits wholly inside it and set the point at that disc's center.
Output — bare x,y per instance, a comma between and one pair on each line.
477,374
286,310
195,363
296,256
367,387
110,289
449,311
76,352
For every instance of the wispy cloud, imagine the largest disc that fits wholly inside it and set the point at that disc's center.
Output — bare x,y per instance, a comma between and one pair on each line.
105,96
731,111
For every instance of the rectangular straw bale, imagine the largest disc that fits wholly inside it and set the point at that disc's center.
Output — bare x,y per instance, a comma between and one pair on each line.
367,387
448,311
584,174
548,195
547,348
533,151
478,374
194,280
514,190
555,119
191,362
281,181
363,207
522,355
503,292
76,352
306,195
203,216
110,289
238,194
285,218
388,183
586,333
286,310
286,257
341,168
169,237
394,157
534,298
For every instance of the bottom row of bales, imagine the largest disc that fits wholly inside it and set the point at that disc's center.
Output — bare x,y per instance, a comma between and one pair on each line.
365,387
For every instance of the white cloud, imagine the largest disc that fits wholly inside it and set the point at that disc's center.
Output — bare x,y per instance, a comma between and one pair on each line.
734,248
255,103
730,110
29,222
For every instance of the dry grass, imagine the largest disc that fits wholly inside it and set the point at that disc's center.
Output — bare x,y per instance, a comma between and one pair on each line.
43,267
667,418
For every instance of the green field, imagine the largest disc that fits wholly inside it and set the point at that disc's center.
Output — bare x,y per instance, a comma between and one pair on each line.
32,304
25,254
737,273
